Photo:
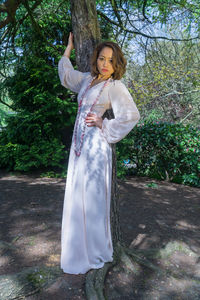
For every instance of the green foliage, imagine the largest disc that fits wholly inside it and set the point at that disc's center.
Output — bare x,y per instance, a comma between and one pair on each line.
38,95
164,151
34,136
38,154
2,116
39,277
53,174
168,82
5,109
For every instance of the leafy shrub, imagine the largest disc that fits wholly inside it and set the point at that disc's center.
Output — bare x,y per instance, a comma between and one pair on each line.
34,137
41,153
162,150
32,140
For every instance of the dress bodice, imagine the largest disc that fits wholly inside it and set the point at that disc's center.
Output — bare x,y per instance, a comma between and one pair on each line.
115,95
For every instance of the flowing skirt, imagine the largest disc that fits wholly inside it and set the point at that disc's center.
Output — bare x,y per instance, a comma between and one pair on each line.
86,234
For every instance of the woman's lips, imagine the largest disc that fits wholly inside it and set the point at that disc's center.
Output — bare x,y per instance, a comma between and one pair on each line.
104,70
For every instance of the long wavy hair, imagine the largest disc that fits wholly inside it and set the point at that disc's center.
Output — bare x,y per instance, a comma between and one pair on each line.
118,60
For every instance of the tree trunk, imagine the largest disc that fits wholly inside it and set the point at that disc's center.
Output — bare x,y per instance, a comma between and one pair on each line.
86,31
114,212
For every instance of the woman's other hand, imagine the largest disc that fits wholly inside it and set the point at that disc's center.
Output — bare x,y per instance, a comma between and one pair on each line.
93,120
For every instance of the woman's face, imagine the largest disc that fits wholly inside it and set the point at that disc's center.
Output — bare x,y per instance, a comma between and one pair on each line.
104,62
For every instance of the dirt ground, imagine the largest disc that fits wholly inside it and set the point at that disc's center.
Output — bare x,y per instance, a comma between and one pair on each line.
157,216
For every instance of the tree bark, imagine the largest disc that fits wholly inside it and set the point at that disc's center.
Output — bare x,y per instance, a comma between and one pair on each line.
114,211
86,31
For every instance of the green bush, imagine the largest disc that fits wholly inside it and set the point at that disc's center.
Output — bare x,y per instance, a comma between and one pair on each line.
39,154
162,150
35,136
31,141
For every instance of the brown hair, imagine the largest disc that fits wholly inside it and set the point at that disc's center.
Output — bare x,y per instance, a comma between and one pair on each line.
118,60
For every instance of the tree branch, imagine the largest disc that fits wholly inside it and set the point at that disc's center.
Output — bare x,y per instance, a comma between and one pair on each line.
143,11
36,26
138,32
3,75
4,103
115,9
30,13
4,34
9,7
3,8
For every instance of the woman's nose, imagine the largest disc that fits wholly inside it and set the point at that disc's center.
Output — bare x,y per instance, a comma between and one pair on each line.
105,63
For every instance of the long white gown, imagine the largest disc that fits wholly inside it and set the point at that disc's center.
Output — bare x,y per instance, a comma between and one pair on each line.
86,234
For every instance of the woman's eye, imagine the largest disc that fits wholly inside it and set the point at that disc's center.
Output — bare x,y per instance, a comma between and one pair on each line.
102,59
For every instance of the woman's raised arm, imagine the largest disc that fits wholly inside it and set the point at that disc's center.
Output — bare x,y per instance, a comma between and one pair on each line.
70,78
70,45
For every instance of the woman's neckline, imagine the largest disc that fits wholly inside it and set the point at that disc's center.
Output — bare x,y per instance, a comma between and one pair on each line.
103,81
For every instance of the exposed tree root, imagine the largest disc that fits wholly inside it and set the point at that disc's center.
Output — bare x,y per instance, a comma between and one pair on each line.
95,282
141,260
130,259
37,290
91,292
95,279
150,253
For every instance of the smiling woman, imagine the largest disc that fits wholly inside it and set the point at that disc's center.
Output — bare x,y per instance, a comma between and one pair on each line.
86,233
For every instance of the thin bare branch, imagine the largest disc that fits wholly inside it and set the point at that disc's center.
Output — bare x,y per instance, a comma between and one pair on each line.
138,32
6,104
143,11
115,9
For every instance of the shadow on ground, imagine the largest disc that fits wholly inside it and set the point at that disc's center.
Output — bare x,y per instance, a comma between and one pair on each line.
162,217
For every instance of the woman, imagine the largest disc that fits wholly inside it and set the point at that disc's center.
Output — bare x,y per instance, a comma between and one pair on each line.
86,235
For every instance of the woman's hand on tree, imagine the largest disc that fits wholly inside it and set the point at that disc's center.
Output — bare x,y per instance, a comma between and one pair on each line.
93,120
70,45
71,41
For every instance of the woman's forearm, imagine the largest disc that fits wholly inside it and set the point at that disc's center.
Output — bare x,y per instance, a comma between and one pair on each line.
68,51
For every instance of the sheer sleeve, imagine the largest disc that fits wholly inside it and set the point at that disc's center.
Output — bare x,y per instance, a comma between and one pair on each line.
70,78
125,112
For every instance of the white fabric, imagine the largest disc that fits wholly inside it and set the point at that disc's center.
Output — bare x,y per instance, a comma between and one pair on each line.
86,234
